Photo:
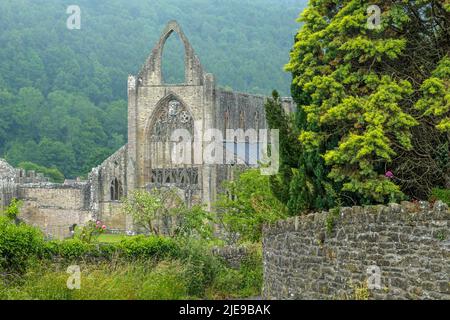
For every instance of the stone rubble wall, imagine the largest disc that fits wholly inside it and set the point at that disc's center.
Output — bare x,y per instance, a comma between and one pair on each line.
408,242
54,208
232,255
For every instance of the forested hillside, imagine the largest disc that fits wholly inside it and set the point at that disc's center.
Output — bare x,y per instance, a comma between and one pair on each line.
63,92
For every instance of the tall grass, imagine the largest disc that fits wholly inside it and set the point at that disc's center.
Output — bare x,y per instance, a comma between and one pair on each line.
140,267
195,275
122,281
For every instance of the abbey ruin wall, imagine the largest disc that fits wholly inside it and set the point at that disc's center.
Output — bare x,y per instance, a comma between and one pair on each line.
55,208
389,252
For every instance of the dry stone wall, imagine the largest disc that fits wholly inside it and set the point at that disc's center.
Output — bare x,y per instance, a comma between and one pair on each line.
400,251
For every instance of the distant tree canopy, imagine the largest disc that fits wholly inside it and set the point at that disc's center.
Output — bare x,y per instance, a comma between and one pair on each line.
63,92
54,174
374,104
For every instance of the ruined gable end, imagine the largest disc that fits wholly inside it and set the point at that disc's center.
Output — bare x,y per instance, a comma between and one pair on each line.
151,72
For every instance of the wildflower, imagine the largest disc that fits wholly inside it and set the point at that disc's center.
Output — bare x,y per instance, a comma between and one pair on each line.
389,174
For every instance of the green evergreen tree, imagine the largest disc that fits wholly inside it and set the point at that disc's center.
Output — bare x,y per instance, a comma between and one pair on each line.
357,85
289,148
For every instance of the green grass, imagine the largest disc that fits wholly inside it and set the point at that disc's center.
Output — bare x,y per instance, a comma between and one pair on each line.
172,279
111,238
441,194
119,281
123,268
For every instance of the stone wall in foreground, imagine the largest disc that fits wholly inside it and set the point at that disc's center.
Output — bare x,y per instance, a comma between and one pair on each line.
388,252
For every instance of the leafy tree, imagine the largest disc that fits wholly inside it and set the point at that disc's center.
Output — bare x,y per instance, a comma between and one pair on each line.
246,204
72,90
435,99
289,149
13,210
356,89
53,173
163,212
195,222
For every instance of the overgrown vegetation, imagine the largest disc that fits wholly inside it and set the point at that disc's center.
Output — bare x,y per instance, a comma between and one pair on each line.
142,280
136,267
20,245
163,212
372,121
246,204
441,194
52,173
12,211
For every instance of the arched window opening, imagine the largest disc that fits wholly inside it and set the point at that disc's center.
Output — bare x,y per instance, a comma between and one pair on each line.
116,190
173,62
170,138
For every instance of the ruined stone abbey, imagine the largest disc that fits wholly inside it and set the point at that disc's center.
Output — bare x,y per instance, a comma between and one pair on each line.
155,110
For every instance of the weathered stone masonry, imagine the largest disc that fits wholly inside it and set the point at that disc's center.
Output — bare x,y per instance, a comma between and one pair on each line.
155,110
410,243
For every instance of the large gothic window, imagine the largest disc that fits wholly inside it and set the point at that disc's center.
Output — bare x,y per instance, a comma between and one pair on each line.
171,161
172,116
116,190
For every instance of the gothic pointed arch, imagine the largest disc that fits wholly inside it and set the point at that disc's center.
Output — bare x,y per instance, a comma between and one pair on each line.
163,105
116,190
151,74
171,115
173,64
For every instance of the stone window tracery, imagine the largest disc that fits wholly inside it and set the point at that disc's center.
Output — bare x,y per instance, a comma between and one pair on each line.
181,177
163,167
169,118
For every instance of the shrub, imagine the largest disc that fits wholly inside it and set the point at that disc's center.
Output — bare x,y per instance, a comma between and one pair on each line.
90,232
165,281
19,245
196,222
148,247
244,282
201,266
70,249
247,205
12,211
441,194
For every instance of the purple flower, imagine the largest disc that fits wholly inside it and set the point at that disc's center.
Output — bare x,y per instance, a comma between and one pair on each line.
389,174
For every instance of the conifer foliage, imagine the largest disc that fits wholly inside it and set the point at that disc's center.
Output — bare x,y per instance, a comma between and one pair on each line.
373,102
